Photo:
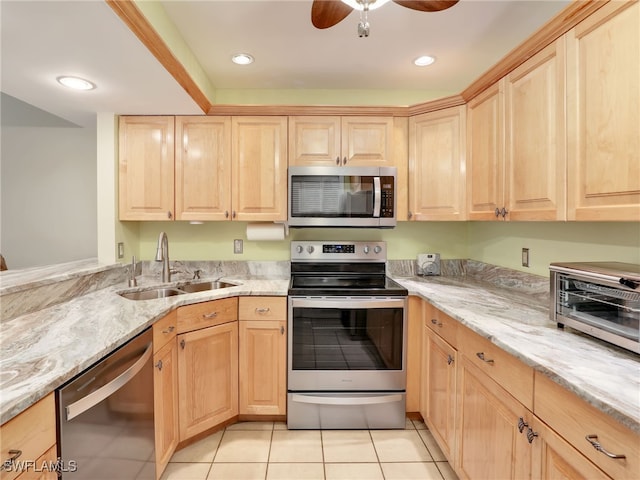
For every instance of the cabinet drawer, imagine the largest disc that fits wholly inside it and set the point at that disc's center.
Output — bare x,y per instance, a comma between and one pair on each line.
207,314
33,432
45,461
509,372
262,308
164,330
443,325
577,419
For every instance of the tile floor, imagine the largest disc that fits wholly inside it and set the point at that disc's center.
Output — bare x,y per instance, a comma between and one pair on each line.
268,451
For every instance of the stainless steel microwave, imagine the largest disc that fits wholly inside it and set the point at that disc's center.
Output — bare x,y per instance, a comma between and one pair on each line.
342,197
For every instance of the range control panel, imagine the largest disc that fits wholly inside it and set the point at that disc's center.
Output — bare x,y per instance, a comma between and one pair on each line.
340,251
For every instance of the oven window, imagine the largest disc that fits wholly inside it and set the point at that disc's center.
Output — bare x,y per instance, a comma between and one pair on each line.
331,196
347,339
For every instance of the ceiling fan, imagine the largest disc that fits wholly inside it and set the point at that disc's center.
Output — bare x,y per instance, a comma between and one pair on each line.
327,13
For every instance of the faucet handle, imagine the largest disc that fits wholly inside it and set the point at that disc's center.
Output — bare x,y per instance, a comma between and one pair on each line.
196,274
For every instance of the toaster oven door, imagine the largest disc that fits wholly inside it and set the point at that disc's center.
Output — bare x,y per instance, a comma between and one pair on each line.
603,311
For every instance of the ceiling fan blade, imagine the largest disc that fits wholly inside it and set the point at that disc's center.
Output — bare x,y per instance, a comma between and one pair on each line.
427,5
327,13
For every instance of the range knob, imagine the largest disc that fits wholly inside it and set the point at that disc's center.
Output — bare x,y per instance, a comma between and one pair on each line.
366,249
299,249
310,249
377,249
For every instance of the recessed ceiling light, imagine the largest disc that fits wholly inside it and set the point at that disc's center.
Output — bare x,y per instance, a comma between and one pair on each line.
359,6
424,60
76,83
242,59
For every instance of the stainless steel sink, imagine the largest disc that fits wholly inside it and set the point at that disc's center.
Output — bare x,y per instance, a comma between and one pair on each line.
151,294
204,286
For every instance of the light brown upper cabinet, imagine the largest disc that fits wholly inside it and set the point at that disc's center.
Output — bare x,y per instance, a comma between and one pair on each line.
341,141
535,146
437,165
516,143
146,159
259,168
203,168
603,108
226,168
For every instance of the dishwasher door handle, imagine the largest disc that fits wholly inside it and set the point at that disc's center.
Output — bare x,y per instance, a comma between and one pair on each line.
85,403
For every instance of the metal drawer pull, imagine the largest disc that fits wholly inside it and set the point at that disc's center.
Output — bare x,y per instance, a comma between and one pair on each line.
480,355
9,461
531,435
159,365
593,440
263,311
169,330
209,316
435,322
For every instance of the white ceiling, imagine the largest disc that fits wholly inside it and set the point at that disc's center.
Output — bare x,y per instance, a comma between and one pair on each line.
44,39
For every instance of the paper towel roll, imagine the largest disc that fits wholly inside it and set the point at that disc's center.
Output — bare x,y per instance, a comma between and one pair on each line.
265,231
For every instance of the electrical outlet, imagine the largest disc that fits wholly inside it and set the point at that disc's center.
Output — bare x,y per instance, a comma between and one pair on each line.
120,250
525,257
237,245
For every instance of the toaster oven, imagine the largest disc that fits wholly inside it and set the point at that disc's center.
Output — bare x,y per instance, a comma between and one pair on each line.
601,299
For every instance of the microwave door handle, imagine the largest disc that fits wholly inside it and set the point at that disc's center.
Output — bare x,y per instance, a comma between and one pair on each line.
377,197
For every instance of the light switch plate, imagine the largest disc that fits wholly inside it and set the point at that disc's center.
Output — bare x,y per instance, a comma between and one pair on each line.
237,245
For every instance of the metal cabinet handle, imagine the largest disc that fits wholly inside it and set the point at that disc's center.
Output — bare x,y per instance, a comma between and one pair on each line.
209,316
169,330
9,461
344,161
169,215
531,435
449,359
263,311
338,160
226,214
435,322
480,355
497,212
593,440
409,215
159,365
504,212
233,214
522,424
182,343
281,330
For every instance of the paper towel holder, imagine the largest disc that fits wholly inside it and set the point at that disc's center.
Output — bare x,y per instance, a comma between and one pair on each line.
252,227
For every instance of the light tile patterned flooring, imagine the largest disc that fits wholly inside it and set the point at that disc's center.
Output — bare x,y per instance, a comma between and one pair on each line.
268,451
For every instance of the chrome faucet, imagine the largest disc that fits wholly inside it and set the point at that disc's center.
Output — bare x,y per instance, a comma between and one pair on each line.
162,255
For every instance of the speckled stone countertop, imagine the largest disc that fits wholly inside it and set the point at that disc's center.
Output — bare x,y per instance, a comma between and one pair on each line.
42,350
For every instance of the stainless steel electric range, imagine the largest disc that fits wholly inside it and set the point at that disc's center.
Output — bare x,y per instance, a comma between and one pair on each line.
347,338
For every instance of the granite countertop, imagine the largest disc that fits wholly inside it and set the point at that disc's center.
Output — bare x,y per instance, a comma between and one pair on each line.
42,350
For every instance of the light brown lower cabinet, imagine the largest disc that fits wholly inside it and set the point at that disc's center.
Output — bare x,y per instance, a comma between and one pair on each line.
44,467
475,400
263,355
207,378
165,387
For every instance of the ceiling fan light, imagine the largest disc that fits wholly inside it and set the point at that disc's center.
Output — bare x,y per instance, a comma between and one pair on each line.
242,59
373,4
424,60
76,83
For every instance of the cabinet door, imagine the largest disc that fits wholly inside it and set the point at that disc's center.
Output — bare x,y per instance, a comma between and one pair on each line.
146,159
414,352
263,367
485,154
535,137
165,394
438,397
603,90
490,445
436,165
314,140
203,168
367,141
259,168
555,459
207,378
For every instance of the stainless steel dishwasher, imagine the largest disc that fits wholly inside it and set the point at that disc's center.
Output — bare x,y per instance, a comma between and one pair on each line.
105,417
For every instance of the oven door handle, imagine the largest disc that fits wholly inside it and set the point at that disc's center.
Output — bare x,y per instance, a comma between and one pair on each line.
344,400
377,197
350,302
85,403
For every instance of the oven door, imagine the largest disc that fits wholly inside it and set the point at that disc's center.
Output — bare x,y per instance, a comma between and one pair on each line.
347,344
